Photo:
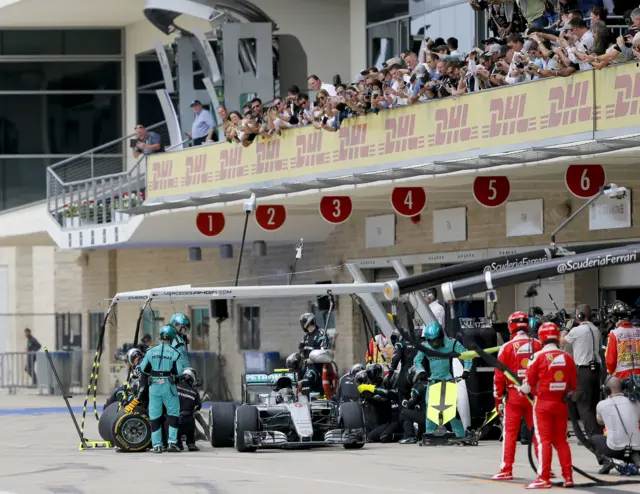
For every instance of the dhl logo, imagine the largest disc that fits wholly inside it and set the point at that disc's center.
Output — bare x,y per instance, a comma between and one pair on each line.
451,126
309,152
231,165
161,174
569,105
196,172
507,117
628,98
268,158
353,143
400,135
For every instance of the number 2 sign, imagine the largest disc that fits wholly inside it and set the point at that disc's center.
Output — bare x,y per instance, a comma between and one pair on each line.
408,201
336,209
491,192
271,217
584,181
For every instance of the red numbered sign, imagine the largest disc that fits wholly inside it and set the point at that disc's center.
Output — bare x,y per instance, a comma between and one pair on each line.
271,217
408,201
210,224
491,192
336,209
584,181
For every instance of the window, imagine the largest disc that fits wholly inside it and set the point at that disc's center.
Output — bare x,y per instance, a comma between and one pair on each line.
22,180
61,42
68,331
249,335
151,324
60,76
321,315
96,318
199,329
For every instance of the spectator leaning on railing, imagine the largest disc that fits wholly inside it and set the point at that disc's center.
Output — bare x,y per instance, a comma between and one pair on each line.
146,142
202,123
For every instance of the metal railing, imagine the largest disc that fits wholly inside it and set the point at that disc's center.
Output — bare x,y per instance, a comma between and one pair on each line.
91,188
31,370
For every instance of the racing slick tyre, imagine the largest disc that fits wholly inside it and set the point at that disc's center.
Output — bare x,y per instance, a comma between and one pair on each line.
107,419
221,424
352,418
247,420
132,431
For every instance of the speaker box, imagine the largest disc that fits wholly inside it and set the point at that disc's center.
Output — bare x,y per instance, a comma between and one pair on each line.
219,310
323,300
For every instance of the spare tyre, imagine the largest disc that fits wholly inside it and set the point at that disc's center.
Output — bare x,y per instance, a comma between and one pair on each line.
221,423
132,431
107,419
353,419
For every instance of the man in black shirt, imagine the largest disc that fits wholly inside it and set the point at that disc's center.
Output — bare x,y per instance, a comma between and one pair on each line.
33,345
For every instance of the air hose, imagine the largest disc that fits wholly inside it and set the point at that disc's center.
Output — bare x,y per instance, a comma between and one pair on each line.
595,481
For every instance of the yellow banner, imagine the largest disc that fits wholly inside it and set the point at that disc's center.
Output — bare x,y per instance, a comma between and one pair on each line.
517,114
618,97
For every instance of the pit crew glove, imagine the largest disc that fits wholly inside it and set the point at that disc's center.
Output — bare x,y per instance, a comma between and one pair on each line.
129,408
366,387
404,403
499,406
465,374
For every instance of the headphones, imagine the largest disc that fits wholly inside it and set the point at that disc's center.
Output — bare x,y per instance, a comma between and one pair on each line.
580,316
606,390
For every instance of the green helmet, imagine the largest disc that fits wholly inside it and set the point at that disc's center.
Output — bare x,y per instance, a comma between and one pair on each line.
167,333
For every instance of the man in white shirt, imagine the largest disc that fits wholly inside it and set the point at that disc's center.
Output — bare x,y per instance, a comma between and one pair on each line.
621,417
435,306
315,84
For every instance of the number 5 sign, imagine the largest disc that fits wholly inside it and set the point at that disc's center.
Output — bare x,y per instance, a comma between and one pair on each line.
584,181
408,201
271,217
336,209
491,192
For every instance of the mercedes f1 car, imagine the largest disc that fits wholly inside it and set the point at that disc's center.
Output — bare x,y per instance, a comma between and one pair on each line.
275,415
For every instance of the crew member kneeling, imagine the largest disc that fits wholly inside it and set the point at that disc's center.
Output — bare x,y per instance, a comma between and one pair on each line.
620,416
551,376
163,364
190,403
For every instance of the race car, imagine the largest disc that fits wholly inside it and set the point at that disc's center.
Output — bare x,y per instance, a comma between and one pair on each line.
275,415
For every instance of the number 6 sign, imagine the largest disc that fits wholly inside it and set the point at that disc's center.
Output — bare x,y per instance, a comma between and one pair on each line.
584,181
336,209
408,201
271,217
491,192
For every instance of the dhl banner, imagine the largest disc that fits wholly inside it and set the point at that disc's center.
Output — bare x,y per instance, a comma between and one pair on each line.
513,115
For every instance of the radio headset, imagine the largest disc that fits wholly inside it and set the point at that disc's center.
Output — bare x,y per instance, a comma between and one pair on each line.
594,363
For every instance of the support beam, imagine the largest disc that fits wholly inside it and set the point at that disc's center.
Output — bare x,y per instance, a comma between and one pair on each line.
372,302
419,304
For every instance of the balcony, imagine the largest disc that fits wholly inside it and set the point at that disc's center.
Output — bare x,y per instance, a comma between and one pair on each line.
590,113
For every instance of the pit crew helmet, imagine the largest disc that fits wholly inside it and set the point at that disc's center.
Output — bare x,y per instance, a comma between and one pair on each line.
294,362
433,334
361,377
414,375
548,333
375,373
132,355
167,333
356,368
180,322
306,320
518,321
189,376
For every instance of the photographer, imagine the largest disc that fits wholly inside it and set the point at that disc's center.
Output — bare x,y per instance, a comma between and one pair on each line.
621,417
585,340
145,142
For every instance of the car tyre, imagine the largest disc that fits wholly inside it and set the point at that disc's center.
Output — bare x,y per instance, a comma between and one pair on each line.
221,425
352,418
107,420
132,431
247,420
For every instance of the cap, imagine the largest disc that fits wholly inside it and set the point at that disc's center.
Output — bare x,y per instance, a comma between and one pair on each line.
393,61
493,49
195,102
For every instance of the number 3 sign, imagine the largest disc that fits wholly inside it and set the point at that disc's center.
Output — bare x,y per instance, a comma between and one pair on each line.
408,201
584,181
336,209
491,192
271,217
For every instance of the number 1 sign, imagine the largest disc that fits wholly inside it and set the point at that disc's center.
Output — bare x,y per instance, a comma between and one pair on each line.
210,224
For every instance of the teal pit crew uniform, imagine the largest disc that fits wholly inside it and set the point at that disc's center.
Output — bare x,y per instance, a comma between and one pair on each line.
180,322
162,364
441,366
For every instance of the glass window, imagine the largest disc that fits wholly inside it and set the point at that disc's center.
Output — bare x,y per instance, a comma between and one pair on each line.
199,329
150,111
96,319
149,72
22,181
61,42
151,324
249,335
58,124
60,76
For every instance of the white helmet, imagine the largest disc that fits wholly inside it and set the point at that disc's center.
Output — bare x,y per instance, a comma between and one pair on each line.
190,376
132,355
306,320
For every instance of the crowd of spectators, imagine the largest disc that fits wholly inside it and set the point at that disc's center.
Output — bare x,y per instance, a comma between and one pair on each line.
531,39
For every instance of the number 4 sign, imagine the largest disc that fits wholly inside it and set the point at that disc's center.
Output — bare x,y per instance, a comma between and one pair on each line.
584,181
336,209
408,201
271,217
491,192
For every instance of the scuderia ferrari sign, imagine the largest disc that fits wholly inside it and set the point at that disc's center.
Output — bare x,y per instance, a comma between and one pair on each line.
525,261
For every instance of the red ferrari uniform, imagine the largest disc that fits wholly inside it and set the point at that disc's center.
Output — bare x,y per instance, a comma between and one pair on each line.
623,351
516,355
551,375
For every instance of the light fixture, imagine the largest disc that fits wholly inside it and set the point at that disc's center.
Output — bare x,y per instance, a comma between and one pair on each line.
226,251
195,254
259,248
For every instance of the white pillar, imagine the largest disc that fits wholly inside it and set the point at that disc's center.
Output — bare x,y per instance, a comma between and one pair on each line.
358,36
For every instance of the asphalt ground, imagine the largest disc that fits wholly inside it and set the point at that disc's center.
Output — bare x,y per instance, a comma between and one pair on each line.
39,454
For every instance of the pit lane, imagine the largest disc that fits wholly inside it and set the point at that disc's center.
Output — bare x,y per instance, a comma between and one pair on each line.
39,454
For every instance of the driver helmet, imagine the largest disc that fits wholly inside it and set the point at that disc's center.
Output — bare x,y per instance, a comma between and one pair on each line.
189,375
133,356
356,368
283,383
361,377
375,373
433,334
180,322
306,320
294,362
